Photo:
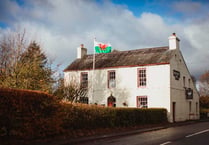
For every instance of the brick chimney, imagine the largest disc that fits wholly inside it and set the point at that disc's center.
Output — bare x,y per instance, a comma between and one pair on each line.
173,42
81,51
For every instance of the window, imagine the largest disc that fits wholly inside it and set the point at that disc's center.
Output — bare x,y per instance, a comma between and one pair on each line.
189,82
176,74
84,80
196,107
142,102
190,106
111,79
84,100
184,81
142,77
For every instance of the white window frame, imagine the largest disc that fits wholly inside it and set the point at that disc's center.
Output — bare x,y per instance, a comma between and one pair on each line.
142,101
141,77
84,80
111,82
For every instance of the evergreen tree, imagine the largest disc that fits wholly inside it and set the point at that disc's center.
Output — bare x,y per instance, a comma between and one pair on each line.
36,73
24,65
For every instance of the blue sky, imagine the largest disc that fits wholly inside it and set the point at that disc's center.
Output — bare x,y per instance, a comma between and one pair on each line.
60,26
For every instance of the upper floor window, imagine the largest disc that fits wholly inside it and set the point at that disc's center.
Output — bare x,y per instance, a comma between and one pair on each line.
184,83
111,79
142,77
84,80
189,81
176,74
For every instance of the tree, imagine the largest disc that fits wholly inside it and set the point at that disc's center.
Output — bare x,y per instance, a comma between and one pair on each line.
24,66
71,92
204,84
11,47
35,73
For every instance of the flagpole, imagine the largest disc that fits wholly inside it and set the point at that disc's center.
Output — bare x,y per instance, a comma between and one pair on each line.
93,72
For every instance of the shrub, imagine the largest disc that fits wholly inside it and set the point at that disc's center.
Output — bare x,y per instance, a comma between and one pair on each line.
29,114
204,113
204,102
88,117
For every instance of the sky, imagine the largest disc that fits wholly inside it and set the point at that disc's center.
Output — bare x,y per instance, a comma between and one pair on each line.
60,26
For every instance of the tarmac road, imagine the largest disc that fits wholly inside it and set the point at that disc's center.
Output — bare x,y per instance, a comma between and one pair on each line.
191,134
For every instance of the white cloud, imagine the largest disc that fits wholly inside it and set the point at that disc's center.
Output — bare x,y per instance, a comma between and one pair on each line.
61,26
197,35
187,7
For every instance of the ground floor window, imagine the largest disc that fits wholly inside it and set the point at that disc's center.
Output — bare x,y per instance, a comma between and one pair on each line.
190,106
141,102
197,107
84,100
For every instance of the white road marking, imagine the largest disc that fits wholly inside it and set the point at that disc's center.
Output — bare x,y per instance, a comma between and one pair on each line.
200,132
165,143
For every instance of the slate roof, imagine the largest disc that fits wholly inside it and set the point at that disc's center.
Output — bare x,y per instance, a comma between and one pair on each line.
138,57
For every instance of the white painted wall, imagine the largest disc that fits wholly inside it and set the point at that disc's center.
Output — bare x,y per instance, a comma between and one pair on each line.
178,92
157,89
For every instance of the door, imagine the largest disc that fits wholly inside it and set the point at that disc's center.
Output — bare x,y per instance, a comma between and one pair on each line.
174,111
111,101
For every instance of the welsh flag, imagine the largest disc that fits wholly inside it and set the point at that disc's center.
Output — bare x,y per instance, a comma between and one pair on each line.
101,47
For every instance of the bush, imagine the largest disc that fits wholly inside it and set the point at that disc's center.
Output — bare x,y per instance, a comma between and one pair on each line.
204,102
88,117
204,113
79,116
28,114
204,107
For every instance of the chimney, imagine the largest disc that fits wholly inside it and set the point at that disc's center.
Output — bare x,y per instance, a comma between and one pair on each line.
81,51
173,42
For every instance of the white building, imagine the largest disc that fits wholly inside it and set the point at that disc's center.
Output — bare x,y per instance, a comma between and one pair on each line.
152,77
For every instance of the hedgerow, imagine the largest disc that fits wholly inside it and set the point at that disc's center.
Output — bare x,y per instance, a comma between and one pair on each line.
28,114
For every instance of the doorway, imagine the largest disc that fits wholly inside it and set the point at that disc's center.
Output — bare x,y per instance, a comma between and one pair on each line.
111,101
174,111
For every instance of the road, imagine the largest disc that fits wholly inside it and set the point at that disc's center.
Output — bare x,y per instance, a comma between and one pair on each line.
193,134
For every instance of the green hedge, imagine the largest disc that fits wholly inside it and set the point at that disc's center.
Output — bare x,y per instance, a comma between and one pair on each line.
88,117
204,113
31,114
28,114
